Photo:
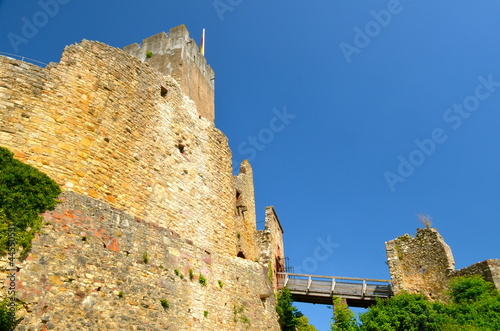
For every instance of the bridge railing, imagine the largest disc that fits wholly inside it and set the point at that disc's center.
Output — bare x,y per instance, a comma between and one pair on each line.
347,287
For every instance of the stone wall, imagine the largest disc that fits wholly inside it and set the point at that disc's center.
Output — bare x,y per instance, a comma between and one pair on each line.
425,264
271,242
99,123
489,269
148,196
422,264
177,55
95,267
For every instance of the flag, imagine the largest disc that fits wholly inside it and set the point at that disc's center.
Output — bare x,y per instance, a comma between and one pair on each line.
202,44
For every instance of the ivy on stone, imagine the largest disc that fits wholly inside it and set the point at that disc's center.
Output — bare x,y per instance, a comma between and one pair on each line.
25,193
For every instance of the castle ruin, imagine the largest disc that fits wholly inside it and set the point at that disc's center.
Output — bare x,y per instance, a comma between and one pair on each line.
425,264
153,230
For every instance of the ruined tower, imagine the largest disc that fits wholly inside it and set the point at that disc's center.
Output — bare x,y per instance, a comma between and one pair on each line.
421,264
424,264
177,55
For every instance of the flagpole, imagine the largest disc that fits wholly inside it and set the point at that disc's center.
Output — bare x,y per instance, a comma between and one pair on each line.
202,44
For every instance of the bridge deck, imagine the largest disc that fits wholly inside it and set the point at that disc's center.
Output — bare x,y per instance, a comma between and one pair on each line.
358,292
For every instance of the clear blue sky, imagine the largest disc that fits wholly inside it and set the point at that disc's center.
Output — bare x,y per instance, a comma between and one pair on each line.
395,106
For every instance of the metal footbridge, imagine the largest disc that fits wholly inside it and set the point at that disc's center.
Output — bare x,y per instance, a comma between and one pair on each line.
358,292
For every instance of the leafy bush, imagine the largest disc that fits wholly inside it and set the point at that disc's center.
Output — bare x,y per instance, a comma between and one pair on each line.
286,311
7,321
474,305
402,312
343,317
25,193
469,289
290,318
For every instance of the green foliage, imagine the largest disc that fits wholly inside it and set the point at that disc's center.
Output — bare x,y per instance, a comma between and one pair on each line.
205,313
191,275
270,273
303,324
145,257
474,305
25,193
402,312
220,283
287,313
343,318
242,317
178,274
164,303
469,289
7,322
121,294
149,54
202,280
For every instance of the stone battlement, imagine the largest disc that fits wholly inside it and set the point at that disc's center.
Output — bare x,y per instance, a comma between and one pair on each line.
177,55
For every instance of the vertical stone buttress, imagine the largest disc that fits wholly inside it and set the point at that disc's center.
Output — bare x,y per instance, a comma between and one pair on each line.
244,210
177,55
272,250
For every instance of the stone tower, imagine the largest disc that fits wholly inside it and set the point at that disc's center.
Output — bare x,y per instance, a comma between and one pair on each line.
422,264
177,55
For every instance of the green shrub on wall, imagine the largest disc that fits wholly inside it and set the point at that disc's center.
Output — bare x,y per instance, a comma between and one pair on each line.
6,320
25,193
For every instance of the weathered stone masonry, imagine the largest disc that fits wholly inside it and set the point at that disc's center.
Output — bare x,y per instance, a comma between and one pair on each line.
96,122
91,252
425,264
420,264
149,195
177,55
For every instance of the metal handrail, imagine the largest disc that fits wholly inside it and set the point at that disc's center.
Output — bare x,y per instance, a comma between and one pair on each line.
23,58
287,274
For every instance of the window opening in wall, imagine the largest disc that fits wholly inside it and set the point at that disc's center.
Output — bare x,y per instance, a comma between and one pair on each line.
240,207
163,91
280,267
181,148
